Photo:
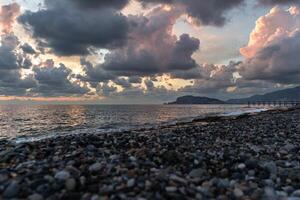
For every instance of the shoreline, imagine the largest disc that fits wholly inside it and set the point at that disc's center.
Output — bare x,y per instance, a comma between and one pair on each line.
250,156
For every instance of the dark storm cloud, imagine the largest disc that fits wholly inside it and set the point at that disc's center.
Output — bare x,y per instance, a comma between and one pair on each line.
94,73
69,30
55,81
24,62
276,2
123,82
153,50
27,48
11,83
150,50
11,62
135,79
212,12
213,79
105,89
101,3
194,73
8,56
149,85
181,57
73,30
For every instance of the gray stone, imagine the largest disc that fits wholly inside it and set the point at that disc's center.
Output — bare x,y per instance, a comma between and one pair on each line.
223,183
35,197
82,180
70,184
238,193
296,193
171,189
270,167
95,197
293,198
95,167
241,166
178,179
131,182
197,173
12,190
270,193
62,175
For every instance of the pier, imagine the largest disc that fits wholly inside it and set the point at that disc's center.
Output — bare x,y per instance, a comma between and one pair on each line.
274,103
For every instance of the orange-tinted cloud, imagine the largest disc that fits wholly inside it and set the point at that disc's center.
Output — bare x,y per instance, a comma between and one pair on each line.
8,14
278,23
273,50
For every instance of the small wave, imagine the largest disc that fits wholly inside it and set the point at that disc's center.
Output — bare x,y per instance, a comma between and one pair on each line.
241,112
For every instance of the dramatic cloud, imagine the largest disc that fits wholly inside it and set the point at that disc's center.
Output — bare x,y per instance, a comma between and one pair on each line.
212,12
277,24
214,79
135,79
94,73
27,48
11,61
8,56
125,83
55,81
119,4
11,81
151,49
277,2
8,13
71,30
142,55
273,50
105,90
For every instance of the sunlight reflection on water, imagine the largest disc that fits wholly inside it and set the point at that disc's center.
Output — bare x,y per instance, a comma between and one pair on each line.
37,120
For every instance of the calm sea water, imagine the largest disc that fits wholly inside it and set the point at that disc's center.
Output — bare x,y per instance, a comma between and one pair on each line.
29,122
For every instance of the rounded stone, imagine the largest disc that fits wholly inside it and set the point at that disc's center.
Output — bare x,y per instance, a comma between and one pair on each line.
238,193
62,175
296,193
35,197
12,190
95,167
70,184
171,189
131,182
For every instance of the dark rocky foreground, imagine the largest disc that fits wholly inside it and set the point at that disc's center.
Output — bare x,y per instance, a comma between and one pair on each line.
250,157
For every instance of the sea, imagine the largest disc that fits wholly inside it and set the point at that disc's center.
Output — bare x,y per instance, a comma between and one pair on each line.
23,123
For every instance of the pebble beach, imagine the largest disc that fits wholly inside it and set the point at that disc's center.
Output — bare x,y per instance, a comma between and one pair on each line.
252,156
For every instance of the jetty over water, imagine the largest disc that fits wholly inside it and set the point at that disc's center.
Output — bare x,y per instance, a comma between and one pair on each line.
273,103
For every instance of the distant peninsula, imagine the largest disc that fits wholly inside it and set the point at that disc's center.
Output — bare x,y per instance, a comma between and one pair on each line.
196,100
290,94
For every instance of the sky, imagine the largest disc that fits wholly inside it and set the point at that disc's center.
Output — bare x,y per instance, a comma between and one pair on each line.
146,51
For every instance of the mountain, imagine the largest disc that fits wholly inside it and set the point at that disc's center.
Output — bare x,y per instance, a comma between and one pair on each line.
196,100
292,94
